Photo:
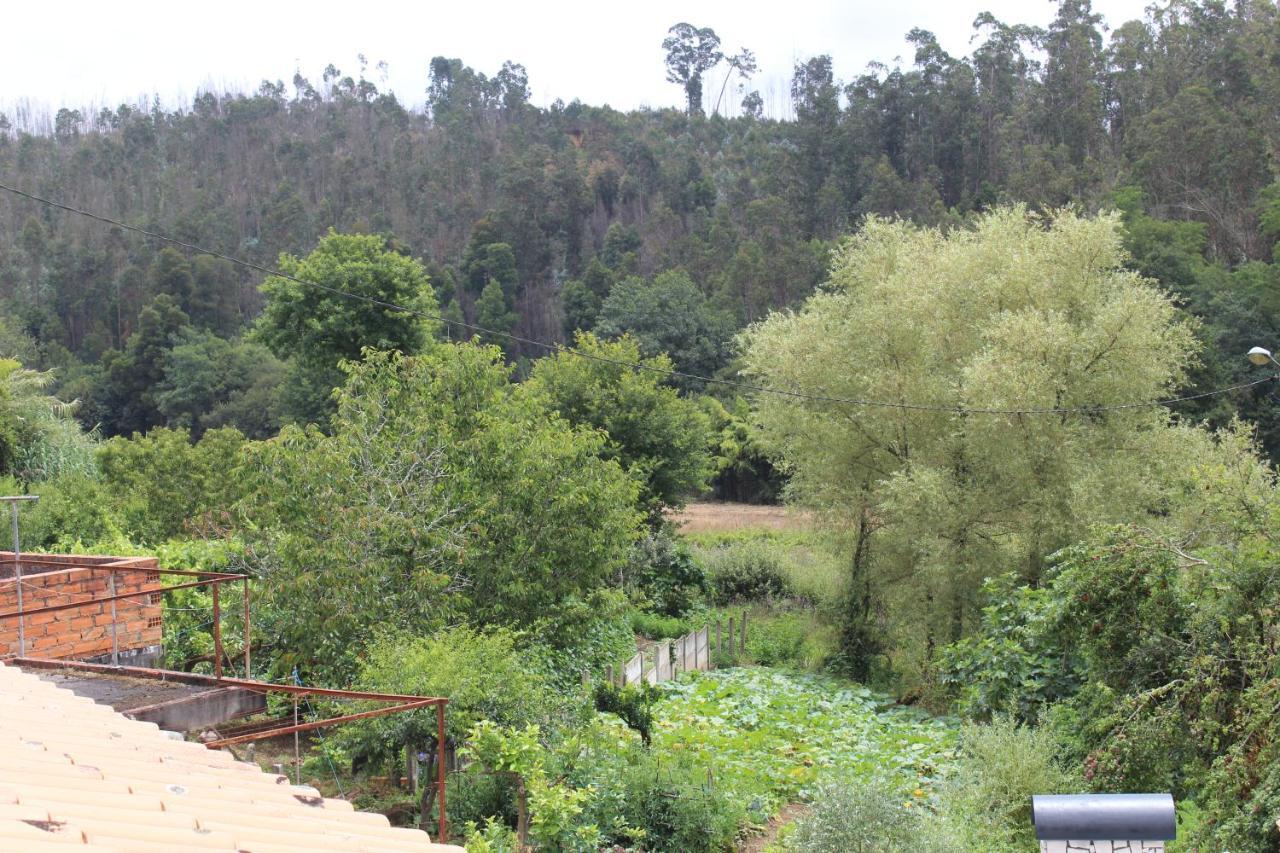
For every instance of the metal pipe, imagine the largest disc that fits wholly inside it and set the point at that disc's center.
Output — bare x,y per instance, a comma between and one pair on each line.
196,678
17,579
121,566
247,672
17,567
297,755
217,635
442,830
115,640
320,724
52,608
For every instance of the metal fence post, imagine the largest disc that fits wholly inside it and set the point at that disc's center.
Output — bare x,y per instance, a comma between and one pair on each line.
442,829
217,632
17,568
115,639
246,627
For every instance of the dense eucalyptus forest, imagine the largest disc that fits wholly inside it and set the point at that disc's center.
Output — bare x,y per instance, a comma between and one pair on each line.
540,221
440,379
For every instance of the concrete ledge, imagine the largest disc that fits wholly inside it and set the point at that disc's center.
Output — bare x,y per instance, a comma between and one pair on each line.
203,710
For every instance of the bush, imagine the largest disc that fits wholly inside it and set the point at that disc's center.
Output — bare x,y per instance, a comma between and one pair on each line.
789,639
73,510
473,796
633,705
657,627
747,572
1001,766
585,635
661,805
484,675
851,817
664,572
1017,661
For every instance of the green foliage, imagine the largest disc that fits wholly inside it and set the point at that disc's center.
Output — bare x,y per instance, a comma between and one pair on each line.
133,374
1016,662
443,491
1174,654
655,435
930,503
633,704
848,817
163,484
745,572
789,639
669,806
670,315
657,627
485,676
317,328
548,810
771,736
663,571
1001,766
743,471
74,511
38,437
211,382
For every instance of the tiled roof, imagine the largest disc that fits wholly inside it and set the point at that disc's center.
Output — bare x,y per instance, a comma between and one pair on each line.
73,772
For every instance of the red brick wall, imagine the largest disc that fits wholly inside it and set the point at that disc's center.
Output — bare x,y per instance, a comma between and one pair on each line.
84,631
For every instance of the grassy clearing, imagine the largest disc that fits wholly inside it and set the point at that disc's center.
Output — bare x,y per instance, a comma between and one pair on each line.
723,517
811,564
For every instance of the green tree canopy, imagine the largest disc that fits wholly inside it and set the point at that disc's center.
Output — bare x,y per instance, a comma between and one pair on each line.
659,437
442,493
209,381
1014,313
317,327
668,314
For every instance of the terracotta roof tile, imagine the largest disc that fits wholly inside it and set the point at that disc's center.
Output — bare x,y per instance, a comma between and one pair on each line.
77,775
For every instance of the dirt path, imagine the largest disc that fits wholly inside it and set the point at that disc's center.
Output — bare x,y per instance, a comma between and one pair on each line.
789,813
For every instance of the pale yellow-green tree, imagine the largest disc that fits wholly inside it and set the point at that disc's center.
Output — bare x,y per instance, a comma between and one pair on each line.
1017,312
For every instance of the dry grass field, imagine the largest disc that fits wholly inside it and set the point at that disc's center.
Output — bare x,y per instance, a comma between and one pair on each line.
721,517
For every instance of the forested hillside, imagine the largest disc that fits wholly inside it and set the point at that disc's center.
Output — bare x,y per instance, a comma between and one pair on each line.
542,221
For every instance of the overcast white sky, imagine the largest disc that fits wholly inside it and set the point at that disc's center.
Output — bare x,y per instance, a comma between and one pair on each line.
94,53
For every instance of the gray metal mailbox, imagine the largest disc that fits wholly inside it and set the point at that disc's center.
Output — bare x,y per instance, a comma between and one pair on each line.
1103,823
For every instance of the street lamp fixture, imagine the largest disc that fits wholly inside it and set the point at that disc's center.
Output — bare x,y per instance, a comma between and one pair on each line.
1261,355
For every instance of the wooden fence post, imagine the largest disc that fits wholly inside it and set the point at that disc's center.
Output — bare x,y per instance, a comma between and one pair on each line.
731,625
743,645
608,674
719,648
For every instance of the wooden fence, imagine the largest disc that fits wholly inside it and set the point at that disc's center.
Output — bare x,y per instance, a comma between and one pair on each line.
692,652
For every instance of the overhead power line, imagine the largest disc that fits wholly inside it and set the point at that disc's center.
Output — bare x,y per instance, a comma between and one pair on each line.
676,374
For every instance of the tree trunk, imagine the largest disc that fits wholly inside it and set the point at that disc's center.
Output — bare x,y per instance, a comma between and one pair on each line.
522,814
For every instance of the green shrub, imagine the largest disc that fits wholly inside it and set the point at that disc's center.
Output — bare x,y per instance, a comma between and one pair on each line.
849,816
658,627
73,510
795,639
1001,766
662,805
664,572
748,572
585,636
633,704
474,796
484,675
1017,661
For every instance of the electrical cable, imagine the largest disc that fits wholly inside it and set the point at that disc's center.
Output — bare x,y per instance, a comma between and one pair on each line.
676,374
